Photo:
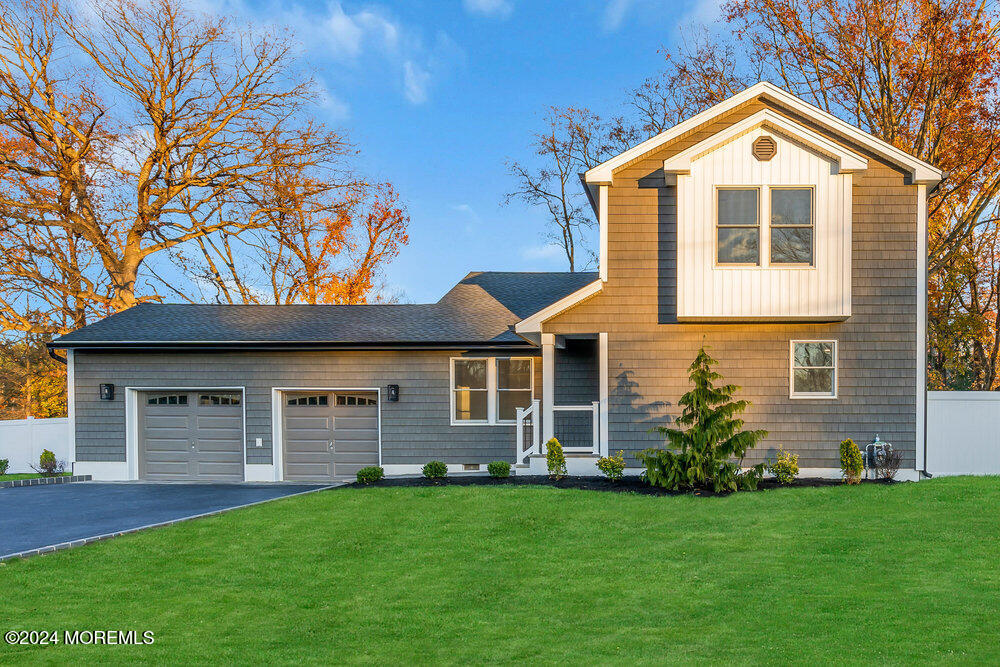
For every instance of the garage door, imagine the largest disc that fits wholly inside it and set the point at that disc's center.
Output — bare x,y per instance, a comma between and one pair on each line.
191,436
329,435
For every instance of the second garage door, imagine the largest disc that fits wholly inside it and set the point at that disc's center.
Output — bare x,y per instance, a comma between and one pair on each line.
191,436
329,435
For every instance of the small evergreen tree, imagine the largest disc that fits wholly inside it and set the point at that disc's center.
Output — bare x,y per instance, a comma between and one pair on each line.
709,437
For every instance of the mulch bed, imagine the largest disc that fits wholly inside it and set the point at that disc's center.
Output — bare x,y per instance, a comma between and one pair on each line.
631,484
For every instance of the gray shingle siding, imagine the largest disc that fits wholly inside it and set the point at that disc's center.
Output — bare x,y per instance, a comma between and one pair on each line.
414,430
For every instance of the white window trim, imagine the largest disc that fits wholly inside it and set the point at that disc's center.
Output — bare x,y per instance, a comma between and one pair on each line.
492,393
764,262
791,372
760,227
812,225
497,389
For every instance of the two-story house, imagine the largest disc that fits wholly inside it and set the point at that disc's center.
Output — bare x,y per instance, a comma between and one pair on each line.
788,242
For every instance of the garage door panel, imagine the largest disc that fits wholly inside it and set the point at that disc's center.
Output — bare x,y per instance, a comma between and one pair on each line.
308,430
169,431
167,421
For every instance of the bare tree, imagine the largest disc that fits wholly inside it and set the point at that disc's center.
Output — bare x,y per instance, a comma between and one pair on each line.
193,98
574,140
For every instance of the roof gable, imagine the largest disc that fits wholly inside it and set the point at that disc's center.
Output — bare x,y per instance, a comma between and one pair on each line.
920,172
847,161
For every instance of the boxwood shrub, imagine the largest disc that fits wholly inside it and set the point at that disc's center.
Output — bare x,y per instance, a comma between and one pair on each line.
435,470
370,474
498,469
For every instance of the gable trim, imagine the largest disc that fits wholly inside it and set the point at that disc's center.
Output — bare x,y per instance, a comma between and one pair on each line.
533,323
847,160
921,172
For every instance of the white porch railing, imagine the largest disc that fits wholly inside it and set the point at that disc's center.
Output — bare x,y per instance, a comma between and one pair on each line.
529,435
530,418
594,409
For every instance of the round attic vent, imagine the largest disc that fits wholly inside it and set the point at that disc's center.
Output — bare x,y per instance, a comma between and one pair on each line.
764,148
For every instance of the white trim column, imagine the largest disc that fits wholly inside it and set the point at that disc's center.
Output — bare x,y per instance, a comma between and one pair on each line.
71,403
548,385
602,223
602,356
921,435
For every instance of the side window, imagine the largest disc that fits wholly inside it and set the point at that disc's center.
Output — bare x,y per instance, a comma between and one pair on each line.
315,400
514,382
354,399
814,369
791,225
219,399
167,399
737,226
469,390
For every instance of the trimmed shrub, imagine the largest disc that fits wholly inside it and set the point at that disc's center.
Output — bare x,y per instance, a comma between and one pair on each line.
498,469
4,465
435,470
613,467
370,474
555,459
710,445
47,464
851,462
785,467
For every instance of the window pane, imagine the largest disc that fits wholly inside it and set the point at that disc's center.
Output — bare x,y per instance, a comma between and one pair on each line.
470,405
791,206
514,373
738,207
470,374
814,354
814,380
739,245
791,245
509,401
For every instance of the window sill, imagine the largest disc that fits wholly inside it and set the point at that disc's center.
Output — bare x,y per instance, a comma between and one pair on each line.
483,423
813,397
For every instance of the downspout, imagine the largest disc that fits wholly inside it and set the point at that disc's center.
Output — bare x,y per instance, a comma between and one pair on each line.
52,353
930,191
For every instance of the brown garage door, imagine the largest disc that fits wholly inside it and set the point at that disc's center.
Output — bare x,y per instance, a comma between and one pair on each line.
329,435
191,436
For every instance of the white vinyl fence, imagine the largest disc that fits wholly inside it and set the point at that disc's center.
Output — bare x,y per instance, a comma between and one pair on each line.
963,432
22,440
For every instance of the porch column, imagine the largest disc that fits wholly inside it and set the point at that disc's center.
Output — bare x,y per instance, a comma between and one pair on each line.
548,385
602,388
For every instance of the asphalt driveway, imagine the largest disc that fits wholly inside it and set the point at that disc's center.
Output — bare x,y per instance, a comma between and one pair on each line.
35,517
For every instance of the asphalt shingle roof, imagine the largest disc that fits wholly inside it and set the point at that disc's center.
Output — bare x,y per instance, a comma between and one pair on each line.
482,308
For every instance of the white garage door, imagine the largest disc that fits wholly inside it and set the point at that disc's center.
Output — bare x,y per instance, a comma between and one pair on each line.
191,436
329,435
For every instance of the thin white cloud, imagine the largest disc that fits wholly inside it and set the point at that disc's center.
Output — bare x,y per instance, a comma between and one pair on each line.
335,108
415,81
360,40
496,8
614,14
547,252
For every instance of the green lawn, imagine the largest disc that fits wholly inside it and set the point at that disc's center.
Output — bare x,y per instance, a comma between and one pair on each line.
27,475
908,573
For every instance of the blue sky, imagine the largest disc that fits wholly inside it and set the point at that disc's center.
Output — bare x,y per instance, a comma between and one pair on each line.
437,95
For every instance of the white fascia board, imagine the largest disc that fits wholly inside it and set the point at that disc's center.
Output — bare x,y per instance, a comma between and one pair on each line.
920,171
847,160
533,324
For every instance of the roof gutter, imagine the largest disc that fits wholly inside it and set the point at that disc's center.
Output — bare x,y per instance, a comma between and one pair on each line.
283,345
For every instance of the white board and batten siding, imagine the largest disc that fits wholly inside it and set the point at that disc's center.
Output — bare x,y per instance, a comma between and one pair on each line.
707,291
22,441
963,432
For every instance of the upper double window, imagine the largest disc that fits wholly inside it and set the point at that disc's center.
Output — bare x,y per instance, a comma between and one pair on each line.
789,234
